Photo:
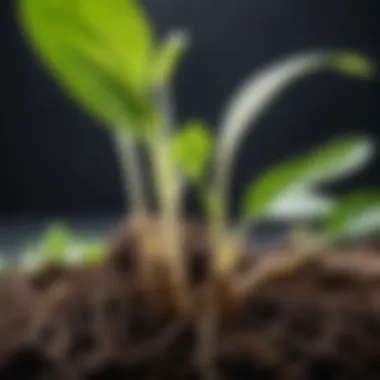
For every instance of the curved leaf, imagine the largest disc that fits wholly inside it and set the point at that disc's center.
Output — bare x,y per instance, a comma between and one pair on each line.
97,51
254,97
337,159
191,148
355,215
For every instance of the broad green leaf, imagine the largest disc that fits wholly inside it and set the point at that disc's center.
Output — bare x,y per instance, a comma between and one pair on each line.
337,159
98,52
168,57
355,215
252,100
191,149
124,26
353,64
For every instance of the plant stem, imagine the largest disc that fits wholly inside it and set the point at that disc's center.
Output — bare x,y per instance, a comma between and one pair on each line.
131,173
244,111
168,189
225,244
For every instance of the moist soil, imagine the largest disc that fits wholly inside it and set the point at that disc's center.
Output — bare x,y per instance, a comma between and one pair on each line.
276,316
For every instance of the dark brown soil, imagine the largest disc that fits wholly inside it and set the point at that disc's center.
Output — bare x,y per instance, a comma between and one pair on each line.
315,318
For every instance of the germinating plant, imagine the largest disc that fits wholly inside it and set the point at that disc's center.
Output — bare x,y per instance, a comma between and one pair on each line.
59,244
106,57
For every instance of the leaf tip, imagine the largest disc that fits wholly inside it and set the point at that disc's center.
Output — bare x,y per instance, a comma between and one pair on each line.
353,64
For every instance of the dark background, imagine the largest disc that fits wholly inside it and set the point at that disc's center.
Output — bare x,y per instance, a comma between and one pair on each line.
54,160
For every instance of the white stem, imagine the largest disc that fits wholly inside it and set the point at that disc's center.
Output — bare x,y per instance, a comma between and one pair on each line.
131,173
168,189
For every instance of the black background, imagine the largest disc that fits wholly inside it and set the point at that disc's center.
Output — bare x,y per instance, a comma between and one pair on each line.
56,160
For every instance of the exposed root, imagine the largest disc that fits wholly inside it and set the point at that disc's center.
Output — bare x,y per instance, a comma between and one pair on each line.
207,332
290,317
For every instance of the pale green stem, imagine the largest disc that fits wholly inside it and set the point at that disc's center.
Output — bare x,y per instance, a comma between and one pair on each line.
168,189
245,110
167,197
131,173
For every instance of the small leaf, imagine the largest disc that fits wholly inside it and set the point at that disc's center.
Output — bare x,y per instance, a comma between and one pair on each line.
168,57
98,52
337,159
355,215
353,64
191,148
55,241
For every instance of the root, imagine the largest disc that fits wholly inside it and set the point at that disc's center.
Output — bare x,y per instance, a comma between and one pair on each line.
275,317
207,334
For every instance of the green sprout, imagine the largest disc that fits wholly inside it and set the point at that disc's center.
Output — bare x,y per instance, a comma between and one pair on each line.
59,245
106,57
243,112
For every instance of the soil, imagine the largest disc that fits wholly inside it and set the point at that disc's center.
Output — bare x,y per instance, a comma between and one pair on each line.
276,317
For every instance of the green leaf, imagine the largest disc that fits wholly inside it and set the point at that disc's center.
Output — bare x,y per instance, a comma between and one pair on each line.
51,246
337,159
353,64
191,149
168,57
255,96
55,241
355,215
124,26
93,252
98,51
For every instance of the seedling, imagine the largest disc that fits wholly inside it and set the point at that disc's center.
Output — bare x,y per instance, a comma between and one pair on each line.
106,57
59,245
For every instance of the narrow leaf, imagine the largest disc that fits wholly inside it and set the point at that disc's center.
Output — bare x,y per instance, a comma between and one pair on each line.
355,215
81,44
191,148
337,159
168,57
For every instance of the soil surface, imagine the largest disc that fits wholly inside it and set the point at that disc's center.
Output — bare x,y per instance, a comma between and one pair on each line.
276,317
